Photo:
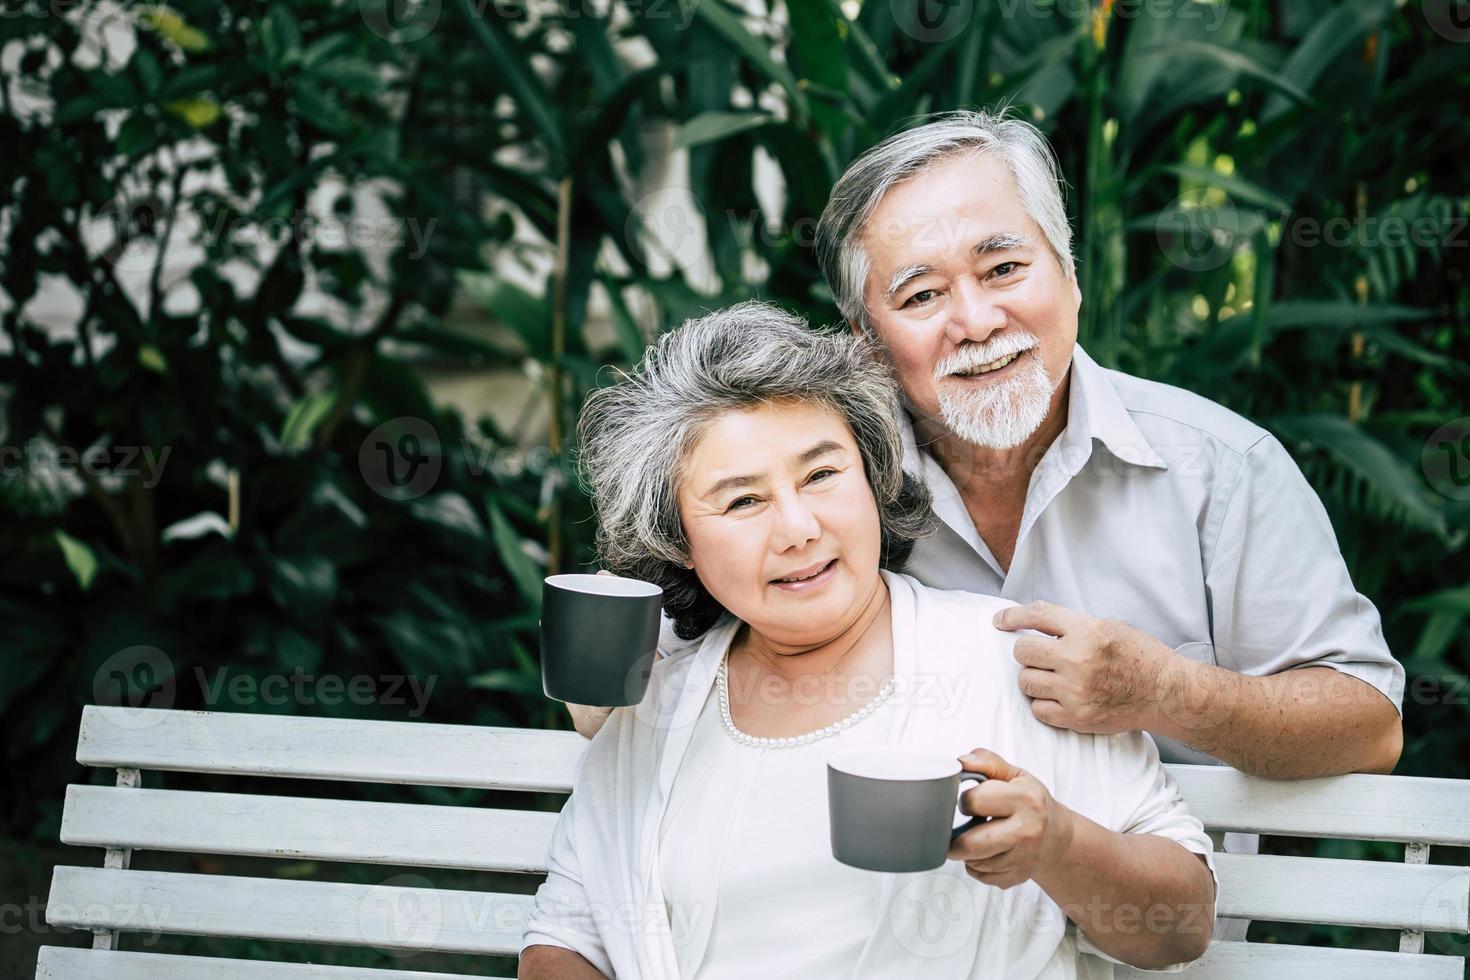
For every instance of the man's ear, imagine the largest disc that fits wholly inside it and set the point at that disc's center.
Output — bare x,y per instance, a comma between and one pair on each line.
1076,292
855,327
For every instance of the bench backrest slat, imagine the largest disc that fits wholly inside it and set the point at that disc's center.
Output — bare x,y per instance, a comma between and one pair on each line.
345,749
1361,893
1269,961
386,916
1358,807
66,963
406,834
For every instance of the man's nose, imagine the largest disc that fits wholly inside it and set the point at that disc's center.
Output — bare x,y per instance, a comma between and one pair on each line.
973,316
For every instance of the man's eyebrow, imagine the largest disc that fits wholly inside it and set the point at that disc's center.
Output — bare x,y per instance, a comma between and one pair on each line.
995,243
732,482
1000,243
903,277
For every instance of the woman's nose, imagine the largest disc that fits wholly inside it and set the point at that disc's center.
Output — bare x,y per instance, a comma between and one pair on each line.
795,524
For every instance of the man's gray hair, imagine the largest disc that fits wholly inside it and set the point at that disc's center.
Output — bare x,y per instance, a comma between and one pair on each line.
1022,147
636,437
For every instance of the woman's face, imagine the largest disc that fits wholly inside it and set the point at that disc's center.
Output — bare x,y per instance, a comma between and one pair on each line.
774,493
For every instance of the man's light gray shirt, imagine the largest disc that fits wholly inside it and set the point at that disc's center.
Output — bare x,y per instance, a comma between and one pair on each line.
1173,514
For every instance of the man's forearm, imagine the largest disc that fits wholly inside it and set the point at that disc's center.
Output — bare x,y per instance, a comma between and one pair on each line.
555,963
1311,721
1144,899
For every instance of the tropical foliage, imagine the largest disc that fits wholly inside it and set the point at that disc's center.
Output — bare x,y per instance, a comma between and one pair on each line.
1270,203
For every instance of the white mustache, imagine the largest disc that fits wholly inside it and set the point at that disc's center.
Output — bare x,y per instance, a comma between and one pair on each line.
968,358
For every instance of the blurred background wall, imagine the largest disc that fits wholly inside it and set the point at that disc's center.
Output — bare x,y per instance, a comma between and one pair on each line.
298,301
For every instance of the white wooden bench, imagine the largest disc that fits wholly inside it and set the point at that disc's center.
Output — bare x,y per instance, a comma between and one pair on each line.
1412,896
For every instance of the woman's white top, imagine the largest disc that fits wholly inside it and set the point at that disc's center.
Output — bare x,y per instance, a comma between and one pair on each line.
614,894
783,905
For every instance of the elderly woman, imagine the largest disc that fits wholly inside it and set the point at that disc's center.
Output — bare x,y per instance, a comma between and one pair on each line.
751,468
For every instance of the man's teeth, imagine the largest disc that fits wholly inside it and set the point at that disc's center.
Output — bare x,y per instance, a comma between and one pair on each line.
994,365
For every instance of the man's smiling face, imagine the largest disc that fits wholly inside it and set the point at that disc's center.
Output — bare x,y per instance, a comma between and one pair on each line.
970,301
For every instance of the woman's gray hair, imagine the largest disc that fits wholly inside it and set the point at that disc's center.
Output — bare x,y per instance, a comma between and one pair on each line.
855,196
636,437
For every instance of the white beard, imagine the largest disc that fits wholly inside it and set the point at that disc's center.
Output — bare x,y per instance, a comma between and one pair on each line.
1002,414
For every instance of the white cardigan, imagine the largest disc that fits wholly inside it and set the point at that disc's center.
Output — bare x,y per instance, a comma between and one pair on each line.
957,690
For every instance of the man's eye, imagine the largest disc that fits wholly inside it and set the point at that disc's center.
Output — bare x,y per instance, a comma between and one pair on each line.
1005,268
921,297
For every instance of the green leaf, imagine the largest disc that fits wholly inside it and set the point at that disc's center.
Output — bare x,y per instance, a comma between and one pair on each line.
710,127
305,585
351,75
280,35
522,570
172,26
1398,486
1315,313
79,558
515,72
758,50
508,681
1238,188
152,358
304,418
1244,64
214,572
630,336
197,112
1344,26
1455,601
529,316
294,650
450,511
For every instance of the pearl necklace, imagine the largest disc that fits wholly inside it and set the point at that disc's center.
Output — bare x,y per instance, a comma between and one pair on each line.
791,741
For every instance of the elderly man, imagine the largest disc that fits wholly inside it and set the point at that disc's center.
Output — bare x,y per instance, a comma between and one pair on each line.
1180,574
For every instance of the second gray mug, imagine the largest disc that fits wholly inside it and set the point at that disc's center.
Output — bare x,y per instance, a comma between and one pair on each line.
892,809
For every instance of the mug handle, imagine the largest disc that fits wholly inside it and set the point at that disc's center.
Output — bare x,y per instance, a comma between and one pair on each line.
973,822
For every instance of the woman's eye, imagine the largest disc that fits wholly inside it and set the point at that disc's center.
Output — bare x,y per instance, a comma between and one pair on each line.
921,297
821,475
740,503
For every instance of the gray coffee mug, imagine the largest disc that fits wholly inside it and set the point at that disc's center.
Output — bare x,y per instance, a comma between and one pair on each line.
892,809
599,634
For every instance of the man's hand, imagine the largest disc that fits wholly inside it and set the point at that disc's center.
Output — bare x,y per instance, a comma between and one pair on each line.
1091,675
1028,831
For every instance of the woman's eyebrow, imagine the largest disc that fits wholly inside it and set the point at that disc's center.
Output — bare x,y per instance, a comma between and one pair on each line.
731,482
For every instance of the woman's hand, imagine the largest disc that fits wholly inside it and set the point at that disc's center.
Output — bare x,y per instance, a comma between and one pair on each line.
1028,832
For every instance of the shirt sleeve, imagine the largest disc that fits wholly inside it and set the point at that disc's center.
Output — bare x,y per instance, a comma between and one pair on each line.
1133,793
562,914
1279,591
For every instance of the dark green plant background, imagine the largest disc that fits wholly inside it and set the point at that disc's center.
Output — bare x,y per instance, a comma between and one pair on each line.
1201,143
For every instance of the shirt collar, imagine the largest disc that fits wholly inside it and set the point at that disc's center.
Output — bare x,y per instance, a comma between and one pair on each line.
1094,411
